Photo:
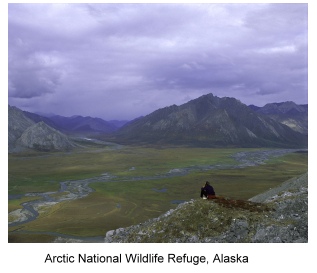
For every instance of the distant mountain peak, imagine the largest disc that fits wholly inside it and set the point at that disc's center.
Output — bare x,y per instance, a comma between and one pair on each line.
289,113
282,107
209,121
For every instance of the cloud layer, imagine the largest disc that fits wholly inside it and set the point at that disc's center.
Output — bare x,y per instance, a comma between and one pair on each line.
120,61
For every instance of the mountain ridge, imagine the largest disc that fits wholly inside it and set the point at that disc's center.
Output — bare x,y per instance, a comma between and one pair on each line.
209,121
76,124
289,113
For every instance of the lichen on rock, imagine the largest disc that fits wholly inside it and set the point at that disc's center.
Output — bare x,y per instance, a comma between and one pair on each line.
276,216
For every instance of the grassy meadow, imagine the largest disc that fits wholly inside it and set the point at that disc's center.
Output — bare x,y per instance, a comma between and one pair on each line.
123,202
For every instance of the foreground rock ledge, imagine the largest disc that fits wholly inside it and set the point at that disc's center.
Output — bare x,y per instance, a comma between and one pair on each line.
279,215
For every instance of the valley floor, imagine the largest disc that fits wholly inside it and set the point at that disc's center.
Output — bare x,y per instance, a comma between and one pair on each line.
39,207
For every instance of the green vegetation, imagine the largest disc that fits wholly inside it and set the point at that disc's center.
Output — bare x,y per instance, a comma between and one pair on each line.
38,172
15,203
30,238
218,215
121,202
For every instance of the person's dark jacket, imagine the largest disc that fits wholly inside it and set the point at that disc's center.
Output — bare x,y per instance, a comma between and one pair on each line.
208,190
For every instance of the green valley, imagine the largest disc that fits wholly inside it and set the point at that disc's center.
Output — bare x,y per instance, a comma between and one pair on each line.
92,190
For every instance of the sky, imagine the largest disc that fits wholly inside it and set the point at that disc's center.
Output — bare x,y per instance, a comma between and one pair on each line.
122,61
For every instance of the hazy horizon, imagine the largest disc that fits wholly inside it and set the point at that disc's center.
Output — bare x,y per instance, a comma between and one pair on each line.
46,114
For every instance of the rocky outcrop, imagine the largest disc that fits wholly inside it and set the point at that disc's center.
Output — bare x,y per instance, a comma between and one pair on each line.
42,137
279,215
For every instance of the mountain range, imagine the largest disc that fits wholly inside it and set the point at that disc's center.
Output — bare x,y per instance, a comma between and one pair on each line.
289,113
208,121
77,124
217,122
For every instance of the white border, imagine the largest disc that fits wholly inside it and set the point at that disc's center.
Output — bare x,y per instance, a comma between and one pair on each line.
262,257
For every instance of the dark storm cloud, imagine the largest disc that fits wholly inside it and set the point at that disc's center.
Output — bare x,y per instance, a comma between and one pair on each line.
126,60
33,75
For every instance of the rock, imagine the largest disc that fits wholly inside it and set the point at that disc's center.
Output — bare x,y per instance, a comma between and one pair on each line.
110,233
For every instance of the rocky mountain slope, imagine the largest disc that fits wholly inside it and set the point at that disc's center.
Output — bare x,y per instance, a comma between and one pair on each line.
207,121
289,113
210,121
17,124
42,137
24,133
279,215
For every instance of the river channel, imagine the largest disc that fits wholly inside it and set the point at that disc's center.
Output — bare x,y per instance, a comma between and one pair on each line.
74,189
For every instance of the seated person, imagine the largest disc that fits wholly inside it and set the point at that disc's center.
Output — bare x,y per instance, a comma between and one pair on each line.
207,191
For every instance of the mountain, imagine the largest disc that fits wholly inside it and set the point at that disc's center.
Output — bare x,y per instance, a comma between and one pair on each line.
210,121
37,118
42,137
289,113
24,133
79,124
17,124
118,123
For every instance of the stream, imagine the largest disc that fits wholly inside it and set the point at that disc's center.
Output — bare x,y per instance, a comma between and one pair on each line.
74,189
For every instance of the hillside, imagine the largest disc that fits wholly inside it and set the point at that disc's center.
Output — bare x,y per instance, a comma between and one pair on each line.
279,215
42,137
24,133
210,121
17,124
79,124
289,113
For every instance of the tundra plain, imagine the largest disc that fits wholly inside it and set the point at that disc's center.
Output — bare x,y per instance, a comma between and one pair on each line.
112,186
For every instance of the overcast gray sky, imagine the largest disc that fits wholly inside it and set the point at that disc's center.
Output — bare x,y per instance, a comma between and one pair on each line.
120,61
